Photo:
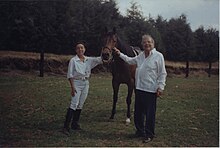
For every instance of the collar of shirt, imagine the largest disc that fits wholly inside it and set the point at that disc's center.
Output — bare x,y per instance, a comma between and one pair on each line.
78,59
153,51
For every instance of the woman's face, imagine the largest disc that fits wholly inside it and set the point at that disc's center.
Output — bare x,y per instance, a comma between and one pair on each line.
80,49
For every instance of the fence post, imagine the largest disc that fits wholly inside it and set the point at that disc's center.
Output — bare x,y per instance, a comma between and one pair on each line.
187,69
42,63
210,68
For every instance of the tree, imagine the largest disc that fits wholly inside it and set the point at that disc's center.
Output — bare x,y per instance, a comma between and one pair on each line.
134,13
213,48
199,38
87,20
207,46
136,25
162,26
179,40
13,24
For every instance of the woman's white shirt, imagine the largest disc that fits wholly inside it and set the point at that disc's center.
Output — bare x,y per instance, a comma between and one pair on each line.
82,69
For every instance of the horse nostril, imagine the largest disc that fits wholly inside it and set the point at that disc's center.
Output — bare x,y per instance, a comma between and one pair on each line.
105,56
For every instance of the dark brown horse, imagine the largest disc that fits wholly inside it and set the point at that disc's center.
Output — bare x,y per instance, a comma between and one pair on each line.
122,73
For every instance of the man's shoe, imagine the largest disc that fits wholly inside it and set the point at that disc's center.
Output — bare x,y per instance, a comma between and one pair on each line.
146,140
76,127
139,134
66,131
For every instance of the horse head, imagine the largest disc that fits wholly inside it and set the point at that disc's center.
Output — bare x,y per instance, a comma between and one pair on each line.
110,40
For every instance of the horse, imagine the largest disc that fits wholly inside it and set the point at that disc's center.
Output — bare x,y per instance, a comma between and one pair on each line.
122,73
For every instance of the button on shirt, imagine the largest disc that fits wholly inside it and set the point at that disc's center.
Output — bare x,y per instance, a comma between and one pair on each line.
150,73
82,69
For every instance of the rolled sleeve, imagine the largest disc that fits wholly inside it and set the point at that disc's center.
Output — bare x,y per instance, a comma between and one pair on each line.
95,61
70,69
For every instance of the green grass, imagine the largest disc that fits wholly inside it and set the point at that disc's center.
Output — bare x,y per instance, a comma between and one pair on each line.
33,111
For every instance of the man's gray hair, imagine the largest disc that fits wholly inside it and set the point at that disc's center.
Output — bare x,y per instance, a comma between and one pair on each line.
147,36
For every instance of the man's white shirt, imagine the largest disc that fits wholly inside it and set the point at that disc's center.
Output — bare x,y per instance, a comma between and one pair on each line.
150,73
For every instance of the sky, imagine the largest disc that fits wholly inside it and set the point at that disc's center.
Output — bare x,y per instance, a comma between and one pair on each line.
198,12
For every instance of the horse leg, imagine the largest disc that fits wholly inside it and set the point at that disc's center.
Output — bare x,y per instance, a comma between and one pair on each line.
115,86
128,101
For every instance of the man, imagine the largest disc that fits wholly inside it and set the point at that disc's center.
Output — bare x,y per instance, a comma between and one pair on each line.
150,80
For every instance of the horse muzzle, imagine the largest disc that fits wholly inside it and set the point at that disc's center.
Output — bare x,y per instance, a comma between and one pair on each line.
105,56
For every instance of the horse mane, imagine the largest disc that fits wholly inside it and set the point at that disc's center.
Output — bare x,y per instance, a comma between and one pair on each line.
124,48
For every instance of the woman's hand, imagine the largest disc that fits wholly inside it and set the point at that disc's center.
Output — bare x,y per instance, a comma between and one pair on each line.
73,92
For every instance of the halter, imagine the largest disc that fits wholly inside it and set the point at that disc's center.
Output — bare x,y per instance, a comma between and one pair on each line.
107,48
110,59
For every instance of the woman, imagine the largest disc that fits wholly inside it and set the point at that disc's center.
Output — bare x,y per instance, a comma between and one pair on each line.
79,71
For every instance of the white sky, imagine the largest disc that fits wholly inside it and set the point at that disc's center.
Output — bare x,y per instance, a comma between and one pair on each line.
198,12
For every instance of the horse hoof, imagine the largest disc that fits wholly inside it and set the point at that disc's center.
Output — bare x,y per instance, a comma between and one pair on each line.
111,118
128,121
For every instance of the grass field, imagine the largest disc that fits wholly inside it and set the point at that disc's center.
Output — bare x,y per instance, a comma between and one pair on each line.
33,110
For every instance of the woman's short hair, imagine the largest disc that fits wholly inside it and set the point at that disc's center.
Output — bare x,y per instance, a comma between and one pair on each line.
80,42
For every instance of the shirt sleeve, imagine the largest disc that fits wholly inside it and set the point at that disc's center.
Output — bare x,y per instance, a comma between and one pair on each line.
129,60
95,61
70,69
161,73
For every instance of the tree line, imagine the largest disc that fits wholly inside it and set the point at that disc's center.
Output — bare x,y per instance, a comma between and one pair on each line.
55,26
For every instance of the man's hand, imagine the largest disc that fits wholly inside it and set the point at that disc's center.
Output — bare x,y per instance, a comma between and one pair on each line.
159,92
117,51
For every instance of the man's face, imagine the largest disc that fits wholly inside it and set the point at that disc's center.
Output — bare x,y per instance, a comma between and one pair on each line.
80,49
147,44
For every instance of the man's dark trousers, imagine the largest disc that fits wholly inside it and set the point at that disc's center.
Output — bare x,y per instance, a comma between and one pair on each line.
145,107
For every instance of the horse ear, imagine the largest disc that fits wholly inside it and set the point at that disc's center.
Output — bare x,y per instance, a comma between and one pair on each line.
114,30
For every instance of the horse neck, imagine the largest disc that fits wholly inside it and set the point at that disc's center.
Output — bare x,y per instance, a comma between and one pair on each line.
124,48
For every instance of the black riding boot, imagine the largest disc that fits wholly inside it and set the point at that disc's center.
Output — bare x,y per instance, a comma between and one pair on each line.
69,115
76,116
